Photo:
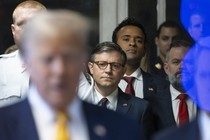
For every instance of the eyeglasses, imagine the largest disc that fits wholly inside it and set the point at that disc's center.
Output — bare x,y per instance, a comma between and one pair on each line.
103,65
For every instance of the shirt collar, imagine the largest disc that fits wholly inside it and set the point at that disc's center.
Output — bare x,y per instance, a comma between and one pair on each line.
112,97
174,93
20,61
137,74
39,106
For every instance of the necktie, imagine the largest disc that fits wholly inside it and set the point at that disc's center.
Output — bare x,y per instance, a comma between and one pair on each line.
62,127
183,110
129,89
103,102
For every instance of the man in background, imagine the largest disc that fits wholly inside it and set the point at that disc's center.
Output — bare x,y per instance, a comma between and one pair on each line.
131,37
14,80
172,106
198,129
107,66
166,33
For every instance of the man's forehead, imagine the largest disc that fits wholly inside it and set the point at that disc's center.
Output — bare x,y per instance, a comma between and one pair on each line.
167,30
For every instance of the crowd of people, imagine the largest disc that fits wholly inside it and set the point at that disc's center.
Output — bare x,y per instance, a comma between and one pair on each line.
47,94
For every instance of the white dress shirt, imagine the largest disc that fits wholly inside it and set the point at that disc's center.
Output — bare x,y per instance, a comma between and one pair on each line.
94,97
112,99
45,120
192,109
14,79
137,84
204,125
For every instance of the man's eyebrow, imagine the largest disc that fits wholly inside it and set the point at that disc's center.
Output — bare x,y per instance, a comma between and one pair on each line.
126,36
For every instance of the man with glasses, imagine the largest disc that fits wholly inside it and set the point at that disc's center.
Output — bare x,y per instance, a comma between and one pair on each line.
107,66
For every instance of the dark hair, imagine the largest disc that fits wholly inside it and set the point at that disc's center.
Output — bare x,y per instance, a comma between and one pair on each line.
108,46
126,22
177,44
169,24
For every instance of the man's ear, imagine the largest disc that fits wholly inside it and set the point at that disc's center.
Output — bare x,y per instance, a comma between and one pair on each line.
90,66
124,69
13,29
156,41
166,67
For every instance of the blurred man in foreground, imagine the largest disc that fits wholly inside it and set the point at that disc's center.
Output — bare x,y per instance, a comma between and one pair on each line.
53,52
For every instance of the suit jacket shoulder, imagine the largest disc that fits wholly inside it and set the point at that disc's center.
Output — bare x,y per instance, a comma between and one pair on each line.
187,132
137,109
162,109
152,84
17,123
106,124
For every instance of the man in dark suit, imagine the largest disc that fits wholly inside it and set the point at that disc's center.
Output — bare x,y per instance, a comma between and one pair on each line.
198,129
53,51
166,103
107,66
131,37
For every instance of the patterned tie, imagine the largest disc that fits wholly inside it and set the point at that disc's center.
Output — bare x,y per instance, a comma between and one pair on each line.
183,110
129,89
62,127
103,102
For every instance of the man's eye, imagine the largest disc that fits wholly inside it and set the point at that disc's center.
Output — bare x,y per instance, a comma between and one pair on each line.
139,41
47,60
125,39
165,38
102,64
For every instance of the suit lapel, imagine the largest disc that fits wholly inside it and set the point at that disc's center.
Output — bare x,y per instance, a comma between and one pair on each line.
149,87
166,103
123,105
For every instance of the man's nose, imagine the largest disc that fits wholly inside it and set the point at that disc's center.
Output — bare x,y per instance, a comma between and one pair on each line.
58,67
108,68
132,42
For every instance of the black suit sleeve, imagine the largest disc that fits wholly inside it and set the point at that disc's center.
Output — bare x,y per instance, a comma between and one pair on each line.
148,122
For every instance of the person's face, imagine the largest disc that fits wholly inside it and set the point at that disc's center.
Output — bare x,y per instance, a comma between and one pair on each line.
22,15
132,40
107,78
202,80
54,66
166,36
173,67
196,27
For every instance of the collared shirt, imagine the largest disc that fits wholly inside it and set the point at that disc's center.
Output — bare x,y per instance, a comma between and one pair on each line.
137,84
192,109
46,122
14,79
204,125
112,99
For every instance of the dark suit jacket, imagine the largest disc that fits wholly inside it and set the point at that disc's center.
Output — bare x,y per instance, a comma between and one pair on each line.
152,84
157,67
137,109
162,108
187,132
17,123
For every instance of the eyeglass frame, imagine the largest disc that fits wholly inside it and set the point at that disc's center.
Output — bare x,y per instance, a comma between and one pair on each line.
111,64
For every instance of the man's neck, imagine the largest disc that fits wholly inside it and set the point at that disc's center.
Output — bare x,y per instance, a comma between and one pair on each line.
105,91
162,57
130,69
